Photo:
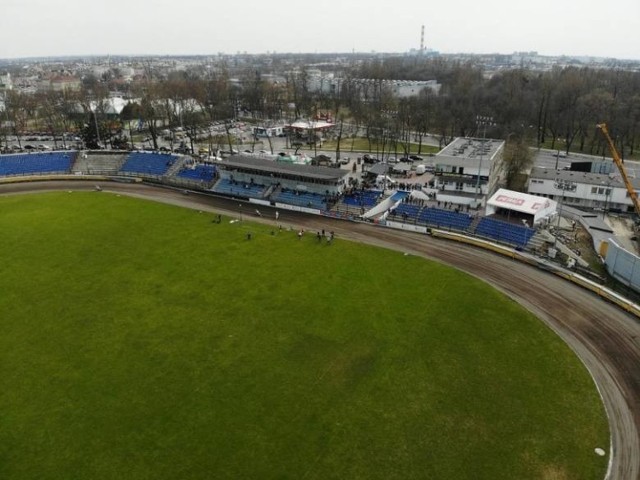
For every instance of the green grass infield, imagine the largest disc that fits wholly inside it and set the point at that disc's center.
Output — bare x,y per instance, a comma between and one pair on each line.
143,341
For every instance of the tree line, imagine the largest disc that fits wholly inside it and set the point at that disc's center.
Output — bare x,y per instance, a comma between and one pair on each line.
556,109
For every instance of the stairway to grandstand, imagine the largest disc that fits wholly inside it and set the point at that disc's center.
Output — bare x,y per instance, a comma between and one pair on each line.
148,163
239,189
179,163
98,163
301,199
540,242
505,232
36,163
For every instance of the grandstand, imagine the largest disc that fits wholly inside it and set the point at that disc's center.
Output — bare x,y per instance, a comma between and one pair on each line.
445,218
199,172
239,189
505,232
431,216
36,163
302,199
406,211
148,163
362,198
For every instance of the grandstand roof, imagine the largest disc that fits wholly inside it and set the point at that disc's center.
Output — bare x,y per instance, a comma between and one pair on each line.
521,202
581,177
271,166
461,150
378,169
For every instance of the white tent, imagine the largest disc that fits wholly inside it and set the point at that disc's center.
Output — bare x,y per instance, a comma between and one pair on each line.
538,207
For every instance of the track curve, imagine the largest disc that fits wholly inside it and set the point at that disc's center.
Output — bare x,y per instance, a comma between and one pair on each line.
604,337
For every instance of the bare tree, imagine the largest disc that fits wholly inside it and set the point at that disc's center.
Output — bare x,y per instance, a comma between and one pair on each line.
517,159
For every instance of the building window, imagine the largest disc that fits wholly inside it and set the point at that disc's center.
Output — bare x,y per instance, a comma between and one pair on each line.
600,191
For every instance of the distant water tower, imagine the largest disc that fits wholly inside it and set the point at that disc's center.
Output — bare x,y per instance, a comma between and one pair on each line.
422,40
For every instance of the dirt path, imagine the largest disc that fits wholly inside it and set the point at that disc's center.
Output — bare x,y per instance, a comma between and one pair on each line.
604,337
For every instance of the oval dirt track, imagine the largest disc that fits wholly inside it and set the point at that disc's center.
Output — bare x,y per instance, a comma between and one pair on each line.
605,338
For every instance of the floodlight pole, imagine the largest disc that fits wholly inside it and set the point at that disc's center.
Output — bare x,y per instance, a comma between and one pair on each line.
95,121
564,186
481,121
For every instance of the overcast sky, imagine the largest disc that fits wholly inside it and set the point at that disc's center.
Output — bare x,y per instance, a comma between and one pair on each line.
31,28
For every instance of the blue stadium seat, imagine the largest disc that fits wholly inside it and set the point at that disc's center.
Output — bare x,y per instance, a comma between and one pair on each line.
302,199
237,188
406,211
445,218
505,232
148,163
202,173
363,198
36,163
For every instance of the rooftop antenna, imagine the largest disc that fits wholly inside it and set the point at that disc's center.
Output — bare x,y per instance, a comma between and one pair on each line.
422,40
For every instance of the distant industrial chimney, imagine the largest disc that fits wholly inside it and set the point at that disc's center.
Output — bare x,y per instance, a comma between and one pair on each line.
422,40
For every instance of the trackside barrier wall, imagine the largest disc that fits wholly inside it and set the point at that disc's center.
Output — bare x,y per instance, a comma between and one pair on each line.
41,178
579,280
404,226
257,201
623,265
295,208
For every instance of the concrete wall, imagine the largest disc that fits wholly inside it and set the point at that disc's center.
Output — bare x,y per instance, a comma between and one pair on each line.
623,265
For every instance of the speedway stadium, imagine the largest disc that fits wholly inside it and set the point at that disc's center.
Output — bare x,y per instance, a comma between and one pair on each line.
231,339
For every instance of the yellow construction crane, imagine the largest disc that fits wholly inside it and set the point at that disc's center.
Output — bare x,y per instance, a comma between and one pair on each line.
621,169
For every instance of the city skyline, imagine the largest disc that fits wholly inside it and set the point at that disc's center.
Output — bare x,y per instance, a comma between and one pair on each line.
40,28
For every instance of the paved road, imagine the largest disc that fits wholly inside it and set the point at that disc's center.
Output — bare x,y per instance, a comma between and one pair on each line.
605,338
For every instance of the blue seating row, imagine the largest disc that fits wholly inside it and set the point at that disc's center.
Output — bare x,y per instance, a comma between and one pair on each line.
364,198
504,231
445,218
432,216
243,189
34,163
302,199
407,210
201,172
149,163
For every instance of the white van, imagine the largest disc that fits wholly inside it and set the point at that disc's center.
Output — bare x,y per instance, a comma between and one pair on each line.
420,169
